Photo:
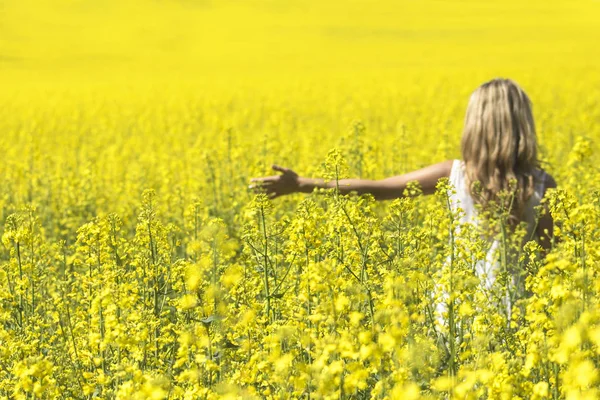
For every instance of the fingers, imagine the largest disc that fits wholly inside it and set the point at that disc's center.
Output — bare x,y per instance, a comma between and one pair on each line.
268,185
258,189
265,179
265,188
262,187
258,183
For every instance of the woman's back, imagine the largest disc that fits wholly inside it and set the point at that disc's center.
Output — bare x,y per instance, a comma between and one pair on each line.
462,199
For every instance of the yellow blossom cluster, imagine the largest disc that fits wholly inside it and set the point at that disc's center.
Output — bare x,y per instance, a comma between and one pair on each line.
136,264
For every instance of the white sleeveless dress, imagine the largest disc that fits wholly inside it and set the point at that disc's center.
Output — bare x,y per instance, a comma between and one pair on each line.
461,199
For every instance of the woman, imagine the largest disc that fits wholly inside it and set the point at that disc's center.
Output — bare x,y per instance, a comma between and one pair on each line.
498,146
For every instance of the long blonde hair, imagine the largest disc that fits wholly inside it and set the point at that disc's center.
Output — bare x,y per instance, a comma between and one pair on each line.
499,145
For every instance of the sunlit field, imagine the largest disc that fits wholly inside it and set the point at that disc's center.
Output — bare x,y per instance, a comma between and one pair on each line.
136,264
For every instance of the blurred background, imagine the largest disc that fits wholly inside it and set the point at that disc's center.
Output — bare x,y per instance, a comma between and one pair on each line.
209,40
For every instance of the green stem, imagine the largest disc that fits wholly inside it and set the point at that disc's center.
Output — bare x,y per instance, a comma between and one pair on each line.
21,303
266,263
451,322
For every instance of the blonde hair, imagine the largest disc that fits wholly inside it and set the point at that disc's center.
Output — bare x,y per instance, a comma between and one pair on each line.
499,145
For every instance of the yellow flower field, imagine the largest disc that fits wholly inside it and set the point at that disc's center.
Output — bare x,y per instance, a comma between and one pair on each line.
136,264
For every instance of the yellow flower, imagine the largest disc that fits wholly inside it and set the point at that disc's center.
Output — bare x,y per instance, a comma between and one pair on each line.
540,390
188,301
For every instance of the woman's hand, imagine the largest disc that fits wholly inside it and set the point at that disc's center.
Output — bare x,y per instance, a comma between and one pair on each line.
277,185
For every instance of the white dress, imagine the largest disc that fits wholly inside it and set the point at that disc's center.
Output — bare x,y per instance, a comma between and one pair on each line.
461,199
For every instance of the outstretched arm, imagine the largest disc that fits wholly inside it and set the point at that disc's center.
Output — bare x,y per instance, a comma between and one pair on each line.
383,189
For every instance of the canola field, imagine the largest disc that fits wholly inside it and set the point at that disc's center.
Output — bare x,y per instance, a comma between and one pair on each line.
136,264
